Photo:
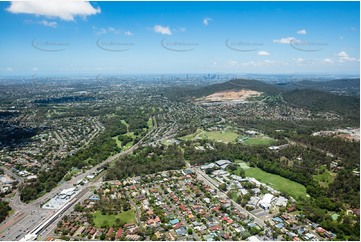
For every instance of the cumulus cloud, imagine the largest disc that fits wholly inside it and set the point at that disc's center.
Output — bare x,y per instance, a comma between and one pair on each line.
302,31
162,29
65,10
206,21
287,40
344,57
128,33
51,24
263,53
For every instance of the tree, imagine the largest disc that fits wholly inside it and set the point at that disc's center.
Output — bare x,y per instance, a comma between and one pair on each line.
60,224
105,224
190,231
223,187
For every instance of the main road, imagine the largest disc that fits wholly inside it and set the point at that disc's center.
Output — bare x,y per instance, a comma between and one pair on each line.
209,181
29,216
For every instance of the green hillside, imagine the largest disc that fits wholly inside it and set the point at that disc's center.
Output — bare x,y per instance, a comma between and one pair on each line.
348,107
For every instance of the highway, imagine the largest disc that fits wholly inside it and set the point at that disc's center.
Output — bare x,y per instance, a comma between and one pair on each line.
28,216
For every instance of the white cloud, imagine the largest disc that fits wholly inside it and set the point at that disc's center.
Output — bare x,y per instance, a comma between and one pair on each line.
65,10
302,31
344,57
263,53
327,61
106,30
206,21
180,29
267,62
51,24
9,69
287,40
128,33
299,60
162,29
34,69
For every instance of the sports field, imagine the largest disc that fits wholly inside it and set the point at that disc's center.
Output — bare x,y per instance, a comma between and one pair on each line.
260,141
221,136
277,182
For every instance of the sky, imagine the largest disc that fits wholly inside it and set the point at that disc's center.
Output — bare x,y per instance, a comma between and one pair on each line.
69,38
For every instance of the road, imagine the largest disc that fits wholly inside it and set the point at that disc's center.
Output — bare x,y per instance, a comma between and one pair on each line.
31,215
136,209
14,201
209,181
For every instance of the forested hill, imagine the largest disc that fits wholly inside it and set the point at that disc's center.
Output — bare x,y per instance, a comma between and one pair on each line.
350,87
315,100
238,84
346,106
180,93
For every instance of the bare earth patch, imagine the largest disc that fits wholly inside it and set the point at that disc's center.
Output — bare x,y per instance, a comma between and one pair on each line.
241,95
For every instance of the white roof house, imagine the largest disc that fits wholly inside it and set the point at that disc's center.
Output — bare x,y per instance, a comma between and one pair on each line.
267,198
266,201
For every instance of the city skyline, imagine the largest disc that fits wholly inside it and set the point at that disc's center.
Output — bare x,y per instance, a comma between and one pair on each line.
179,37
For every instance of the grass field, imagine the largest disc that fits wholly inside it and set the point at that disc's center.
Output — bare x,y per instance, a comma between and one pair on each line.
260,141
279,183
325,179
234,196
242,164
221,136
126,217
119,143
124,122
128,145
150,123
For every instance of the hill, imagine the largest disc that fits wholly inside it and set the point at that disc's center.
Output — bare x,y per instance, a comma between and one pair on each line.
236,85
348,107
350,87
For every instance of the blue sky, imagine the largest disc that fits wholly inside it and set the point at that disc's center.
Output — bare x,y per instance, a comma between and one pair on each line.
179,37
